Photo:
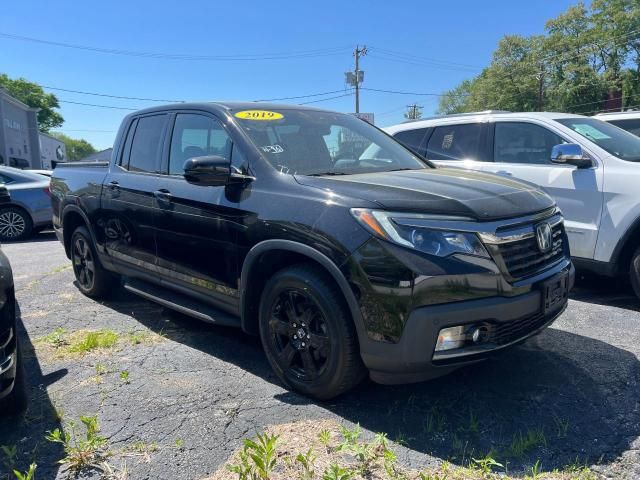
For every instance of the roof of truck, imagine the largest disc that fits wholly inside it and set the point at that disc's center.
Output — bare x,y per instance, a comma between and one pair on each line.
227,106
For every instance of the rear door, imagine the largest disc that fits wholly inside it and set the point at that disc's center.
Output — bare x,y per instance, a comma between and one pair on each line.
522,149
460,145
129,203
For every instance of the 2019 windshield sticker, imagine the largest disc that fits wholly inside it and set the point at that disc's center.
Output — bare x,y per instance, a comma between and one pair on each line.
262,115
272,149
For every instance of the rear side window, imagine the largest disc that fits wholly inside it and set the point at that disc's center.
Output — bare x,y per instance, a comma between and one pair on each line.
521,142
4,179
413,139
455,142
630,125
146,146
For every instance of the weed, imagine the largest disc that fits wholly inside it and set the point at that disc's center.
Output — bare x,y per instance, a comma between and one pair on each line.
336,472
474,425
522,444
434,421
432,476
57,338
10,454
349,437
28,475
80,452
179,443
562,426
257,458
93,340
535,471
101,368
124,376
136,338
307,460
325,438
486,464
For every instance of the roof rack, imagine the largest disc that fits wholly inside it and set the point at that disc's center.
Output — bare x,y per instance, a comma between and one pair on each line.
468,114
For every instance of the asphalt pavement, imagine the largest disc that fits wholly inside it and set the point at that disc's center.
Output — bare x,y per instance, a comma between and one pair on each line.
193,391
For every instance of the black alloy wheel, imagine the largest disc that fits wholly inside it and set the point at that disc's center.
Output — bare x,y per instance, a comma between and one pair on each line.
308,334
92,279
83,263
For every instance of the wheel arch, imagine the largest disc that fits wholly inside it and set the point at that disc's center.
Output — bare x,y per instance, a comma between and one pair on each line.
625,247
72,218
267,256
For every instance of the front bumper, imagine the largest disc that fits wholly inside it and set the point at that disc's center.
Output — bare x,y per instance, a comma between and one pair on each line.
412,358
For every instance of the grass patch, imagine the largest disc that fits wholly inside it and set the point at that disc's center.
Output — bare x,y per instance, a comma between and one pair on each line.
325,450
90,341
524,443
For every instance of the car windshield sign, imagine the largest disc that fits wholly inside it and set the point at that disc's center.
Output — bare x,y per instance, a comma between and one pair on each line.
310,142
614,140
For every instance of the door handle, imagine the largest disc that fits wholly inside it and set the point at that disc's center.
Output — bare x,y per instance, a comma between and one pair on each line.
113,185
163,195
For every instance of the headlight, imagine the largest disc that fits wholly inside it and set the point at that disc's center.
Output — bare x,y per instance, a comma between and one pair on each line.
434,241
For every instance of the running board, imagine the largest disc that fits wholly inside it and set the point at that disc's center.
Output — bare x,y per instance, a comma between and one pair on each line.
181,303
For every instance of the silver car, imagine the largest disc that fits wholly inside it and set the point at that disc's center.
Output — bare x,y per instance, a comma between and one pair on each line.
29,209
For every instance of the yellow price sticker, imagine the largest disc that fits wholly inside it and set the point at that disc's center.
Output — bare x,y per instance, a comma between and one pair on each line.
259,115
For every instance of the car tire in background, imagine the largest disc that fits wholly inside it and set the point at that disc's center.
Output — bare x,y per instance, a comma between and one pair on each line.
634,272
91,278
16,402
15,224
307,333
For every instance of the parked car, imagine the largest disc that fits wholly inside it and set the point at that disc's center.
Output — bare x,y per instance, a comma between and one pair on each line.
29,210
629,120
591,169
248,215
13,392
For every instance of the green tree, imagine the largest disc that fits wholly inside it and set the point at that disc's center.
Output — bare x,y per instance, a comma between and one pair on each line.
76,149
33,95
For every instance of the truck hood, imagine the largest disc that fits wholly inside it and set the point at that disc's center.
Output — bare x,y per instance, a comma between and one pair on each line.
446,191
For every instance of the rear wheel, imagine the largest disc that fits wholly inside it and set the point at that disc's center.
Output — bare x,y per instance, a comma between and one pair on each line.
15,224
634,272
92,279
307,333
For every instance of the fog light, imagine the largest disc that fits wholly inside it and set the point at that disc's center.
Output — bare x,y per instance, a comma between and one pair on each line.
450,338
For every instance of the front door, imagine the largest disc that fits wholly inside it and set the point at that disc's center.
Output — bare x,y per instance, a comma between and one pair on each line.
197,228
127,221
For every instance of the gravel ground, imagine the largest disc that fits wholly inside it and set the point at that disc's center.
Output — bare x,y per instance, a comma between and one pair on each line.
195,391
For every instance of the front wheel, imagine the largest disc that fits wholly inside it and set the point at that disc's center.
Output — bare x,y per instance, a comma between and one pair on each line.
634,272
16,402
92,279
307,333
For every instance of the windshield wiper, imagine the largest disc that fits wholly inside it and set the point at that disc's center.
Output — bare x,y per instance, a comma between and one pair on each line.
401,169
322,174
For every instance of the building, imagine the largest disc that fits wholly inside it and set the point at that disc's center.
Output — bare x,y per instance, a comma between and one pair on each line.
22,145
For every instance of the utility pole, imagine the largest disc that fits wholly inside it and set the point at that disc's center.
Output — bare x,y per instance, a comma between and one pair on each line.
540,88
359,76
413,112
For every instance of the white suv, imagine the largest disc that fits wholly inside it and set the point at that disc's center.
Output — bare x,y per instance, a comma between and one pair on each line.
590,167
629,120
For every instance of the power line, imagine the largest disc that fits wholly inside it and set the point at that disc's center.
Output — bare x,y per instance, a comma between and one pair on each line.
434,61
110,96
428,94
325,99
100,106
299,96
182,56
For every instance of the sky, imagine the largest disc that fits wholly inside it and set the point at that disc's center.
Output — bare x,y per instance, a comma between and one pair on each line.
251,50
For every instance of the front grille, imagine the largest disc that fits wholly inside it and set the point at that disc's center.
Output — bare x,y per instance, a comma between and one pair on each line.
523,258
504,333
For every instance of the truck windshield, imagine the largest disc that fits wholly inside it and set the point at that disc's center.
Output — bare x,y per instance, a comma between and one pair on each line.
309,142
614,140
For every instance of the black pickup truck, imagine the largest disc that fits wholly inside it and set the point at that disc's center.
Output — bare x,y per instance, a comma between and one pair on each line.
272,218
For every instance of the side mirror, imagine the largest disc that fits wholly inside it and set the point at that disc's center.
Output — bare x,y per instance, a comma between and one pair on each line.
210,170
570,154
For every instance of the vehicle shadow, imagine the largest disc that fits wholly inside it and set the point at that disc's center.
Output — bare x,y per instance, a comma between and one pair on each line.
26,432
611,292
560,398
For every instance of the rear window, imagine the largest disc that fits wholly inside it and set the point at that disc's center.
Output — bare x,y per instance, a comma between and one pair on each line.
631,125
146,146
413,139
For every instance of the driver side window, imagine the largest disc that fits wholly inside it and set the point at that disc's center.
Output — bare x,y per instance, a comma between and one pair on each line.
521,142
196,135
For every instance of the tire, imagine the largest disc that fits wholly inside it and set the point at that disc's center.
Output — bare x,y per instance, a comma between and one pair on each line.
91,278
634,272
16,402
307,333
15,224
